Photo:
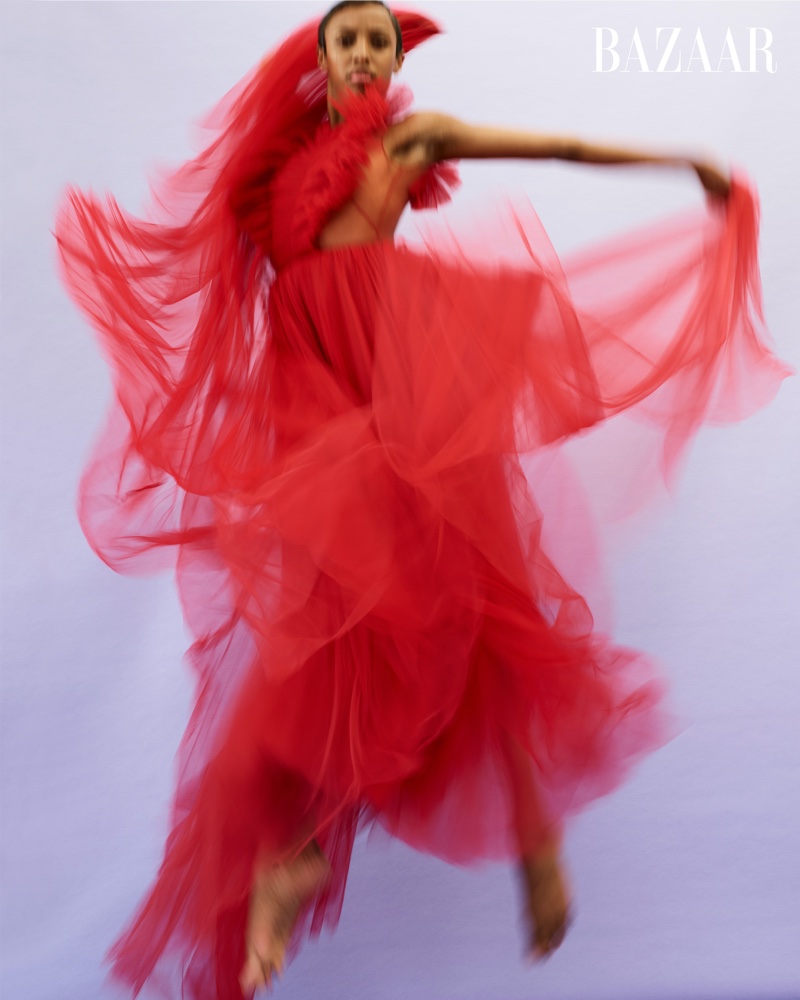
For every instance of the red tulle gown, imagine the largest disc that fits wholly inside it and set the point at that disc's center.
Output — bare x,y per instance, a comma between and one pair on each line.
322,431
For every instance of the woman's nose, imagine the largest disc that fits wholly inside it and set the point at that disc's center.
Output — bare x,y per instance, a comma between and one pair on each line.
361,49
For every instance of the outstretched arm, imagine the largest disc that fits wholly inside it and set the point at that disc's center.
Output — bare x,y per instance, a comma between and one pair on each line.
445,138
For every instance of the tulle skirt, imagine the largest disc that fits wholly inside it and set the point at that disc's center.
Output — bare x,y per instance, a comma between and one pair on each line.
385,625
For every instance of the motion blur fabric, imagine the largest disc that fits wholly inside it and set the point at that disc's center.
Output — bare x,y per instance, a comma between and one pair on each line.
323,432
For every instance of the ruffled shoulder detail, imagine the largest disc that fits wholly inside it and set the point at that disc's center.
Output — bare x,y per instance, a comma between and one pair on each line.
324,175
339,155
435,187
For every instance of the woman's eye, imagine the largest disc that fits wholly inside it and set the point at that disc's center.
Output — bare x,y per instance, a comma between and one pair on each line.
377,41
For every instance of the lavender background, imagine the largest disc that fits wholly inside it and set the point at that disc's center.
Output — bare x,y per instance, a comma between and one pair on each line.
688,879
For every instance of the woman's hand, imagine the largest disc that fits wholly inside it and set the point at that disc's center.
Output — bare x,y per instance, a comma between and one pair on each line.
716,183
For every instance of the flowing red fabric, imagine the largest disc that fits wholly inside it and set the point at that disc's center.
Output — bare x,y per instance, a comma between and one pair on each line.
330,446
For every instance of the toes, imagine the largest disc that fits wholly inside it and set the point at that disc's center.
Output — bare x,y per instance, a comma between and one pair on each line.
558,935
257,973
252,975
547,940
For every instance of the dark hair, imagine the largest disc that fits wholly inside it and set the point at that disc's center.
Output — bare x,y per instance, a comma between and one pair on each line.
323,24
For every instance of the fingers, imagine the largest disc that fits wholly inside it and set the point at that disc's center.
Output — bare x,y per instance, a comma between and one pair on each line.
715,182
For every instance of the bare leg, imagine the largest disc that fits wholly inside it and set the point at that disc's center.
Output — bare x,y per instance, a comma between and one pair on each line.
279,892
547,900
544,885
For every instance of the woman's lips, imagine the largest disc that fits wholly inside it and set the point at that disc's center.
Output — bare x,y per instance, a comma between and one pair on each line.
360,78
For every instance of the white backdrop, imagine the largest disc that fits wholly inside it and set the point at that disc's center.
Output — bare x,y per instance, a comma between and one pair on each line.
687,880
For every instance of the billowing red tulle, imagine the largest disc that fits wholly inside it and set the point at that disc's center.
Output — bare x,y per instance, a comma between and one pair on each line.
338,450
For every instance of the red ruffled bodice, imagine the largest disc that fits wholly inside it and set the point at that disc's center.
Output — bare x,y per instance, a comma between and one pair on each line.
320,178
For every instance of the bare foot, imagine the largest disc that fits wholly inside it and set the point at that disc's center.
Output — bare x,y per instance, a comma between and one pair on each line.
547,901
279,892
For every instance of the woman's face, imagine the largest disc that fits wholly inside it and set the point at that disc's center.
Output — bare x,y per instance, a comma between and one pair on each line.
361,46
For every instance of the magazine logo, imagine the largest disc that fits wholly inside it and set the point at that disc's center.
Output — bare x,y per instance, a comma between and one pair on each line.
674,50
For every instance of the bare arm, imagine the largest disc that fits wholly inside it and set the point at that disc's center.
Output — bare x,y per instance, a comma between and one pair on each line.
445,138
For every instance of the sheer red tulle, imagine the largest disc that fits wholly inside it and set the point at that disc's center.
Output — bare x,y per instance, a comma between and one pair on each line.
329,447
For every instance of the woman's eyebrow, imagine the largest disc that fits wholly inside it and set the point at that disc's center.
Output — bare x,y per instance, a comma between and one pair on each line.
379,29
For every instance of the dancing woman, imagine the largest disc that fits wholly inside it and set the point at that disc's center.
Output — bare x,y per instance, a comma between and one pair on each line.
322,430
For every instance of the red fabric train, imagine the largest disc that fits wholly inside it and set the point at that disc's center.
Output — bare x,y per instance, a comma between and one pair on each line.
328,446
